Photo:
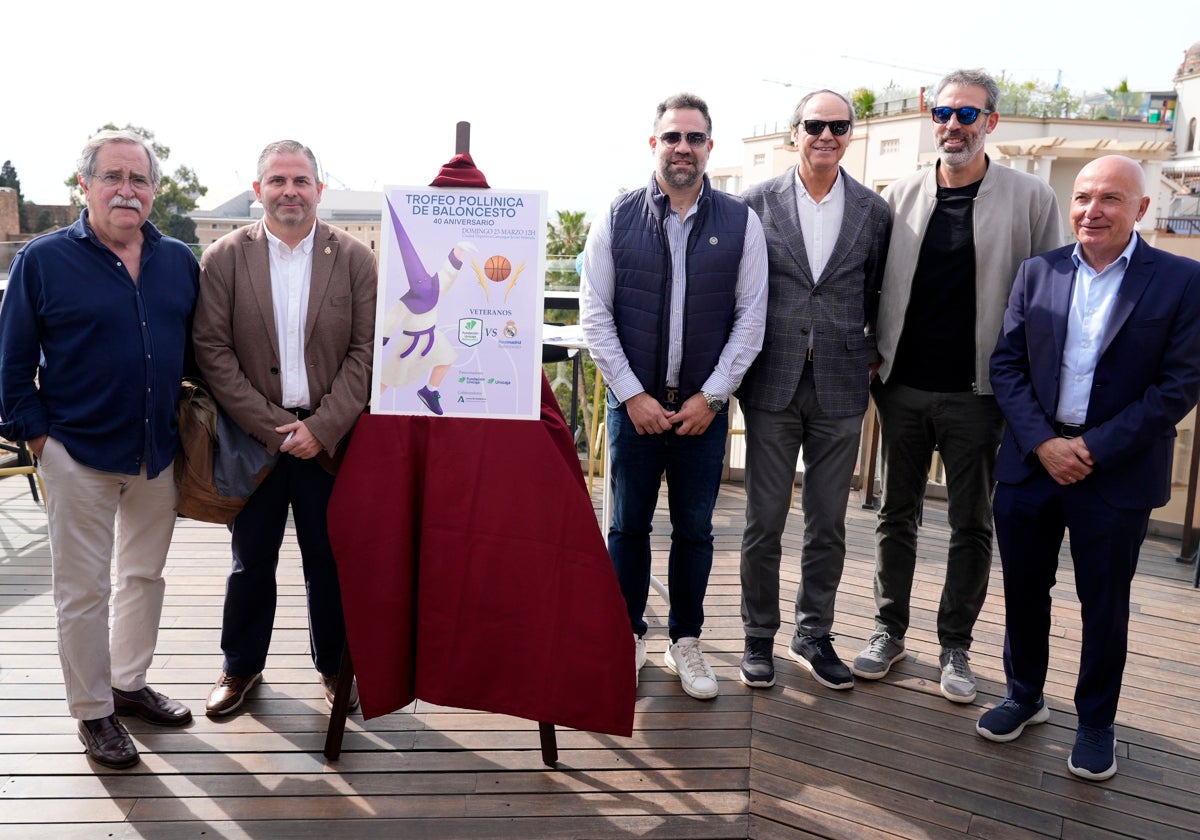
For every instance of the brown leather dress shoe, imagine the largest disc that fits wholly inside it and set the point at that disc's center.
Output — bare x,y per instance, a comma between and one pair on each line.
151,707
107,742
228,693
331,683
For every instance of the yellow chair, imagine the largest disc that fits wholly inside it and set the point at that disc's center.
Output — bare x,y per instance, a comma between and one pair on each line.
25,467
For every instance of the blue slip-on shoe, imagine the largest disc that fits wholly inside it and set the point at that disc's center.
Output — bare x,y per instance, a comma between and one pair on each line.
1094,756
1008,720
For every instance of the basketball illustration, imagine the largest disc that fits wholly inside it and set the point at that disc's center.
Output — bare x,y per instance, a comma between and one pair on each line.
497,268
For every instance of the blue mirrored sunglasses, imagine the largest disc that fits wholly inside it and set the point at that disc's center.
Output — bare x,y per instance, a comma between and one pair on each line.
966,115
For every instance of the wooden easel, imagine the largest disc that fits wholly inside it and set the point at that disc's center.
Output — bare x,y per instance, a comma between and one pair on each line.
341,700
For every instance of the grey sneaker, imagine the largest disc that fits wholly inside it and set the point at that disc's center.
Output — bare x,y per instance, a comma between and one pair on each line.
958,683
687,660
882,651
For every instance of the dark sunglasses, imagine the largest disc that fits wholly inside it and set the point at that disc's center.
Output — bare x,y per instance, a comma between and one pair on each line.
966,115
694,138
836,127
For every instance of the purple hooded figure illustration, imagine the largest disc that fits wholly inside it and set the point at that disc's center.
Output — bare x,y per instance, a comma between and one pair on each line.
415,348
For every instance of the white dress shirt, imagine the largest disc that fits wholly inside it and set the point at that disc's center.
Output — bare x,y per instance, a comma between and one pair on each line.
291,275
820,222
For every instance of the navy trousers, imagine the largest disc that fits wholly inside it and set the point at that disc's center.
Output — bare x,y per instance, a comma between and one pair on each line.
250,593
1031,518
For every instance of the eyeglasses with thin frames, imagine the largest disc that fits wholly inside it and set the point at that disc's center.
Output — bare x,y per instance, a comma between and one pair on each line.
112,179
814,127
694,138
966,114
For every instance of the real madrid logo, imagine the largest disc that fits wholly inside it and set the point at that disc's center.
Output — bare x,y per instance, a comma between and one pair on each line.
510,329
712,240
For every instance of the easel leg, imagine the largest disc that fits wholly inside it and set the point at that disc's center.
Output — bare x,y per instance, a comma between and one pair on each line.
549,744
341,706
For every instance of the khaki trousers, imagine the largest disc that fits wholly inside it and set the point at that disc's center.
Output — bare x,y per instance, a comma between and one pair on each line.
89,511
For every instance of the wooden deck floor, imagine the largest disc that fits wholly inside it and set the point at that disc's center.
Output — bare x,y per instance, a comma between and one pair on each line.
890,759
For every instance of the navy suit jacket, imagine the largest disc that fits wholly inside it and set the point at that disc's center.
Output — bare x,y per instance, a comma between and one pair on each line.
1147,377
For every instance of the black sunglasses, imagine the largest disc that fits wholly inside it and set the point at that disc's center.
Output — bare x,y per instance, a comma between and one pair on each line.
966,115
836,127
694,138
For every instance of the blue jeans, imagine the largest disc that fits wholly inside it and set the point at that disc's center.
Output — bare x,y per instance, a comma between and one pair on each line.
693,465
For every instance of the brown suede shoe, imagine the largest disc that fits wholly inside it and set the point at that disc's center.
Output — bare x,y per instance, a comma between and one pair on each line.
330,684
107,742
228,693
152,707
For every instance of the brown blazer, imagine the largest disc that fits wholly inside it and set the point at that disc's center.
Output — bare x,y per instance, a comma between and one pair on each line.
237,347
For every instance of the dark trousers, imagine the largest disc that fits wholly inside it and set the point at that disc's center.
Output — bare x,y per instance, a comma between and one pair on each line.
1105,541
774,440
250,593
966,431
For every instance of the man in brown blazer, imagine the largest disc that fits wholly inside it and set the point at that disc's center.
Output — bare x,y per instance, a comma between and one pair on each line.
283,334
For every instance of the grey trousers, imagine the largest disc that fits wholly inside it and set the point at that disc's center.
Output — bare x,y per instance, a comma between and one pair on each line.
774,439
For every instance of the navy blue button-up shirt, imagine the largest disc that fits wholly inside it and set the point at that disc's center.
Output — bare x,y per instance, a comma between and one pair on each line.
108,353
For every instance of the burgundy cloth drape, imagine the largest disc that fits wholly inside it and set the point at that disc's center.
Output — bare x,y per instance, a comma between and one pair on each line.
474,575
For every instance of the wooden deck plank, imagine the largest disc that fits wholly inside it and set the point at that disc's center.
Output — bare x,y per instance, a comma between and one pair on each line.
890,759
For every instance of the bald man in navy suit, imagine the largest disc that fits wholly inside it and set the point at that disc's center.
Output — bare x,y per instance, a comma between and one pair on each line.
1098,360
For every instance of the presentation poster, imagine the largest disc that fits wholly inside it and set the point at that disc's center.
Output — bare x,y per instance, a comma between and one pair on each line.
458,328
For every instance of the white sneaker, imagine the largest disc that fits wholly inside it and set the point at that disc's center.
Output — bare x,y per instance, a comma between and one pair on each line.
639,656
685,659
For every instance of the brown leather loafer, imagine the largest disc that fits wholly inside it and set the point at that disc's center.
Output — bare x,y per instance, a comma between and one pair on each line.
331,683
151,707
228,693
107,742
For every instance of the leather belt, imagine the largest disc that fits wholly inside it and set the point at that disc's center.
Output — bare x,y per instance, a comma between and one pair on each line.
1068,430
301,413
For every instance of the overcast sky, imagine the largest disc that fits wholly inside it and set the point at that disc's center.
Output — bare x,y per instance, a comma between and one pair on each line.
560,96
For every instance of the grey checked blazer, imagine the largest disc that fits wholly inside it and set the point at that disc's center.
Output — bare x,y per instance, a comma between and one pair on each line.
839,311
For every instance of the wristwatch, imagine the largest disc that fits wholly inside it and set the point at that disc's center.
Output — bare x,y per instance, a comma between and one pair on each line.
715,403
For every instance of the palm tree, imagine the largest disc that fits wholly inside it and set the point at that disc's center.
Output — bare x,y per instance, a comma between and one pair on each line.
863,100
564,240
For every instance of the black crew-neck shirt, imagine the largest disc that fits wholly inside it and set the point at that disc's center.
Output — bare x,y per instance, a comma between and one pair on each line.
937,346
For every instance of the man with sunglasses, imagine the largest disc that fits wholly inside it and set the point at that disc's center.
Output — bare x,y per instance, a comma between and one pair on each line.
961,229
673,301
93,345
806,392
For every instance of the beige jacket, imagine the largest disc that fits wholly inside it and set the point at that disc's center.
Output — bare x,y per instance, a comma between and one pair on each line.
1015,217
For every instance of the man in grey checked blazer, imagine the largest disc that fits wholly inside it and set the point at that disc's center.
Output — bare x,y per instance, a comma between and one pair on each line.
807,391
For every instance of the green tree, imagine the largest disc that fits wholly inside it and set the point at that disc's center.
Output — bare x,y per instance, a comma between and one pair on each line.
1124,101
9,178
564,241
863,100
176,196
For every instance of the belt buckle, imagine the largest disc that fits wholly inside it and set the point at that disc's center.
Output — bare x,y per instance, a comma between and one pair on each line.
671,396
808,355
1069,431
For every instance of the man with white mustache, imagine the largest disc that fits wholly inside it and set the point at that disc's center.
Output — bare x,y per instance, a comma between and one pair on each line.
961,229
93,337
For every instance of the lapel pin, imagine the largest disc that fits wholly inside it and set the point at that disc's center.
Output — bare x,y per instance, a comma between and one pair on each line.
328,250
712,240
